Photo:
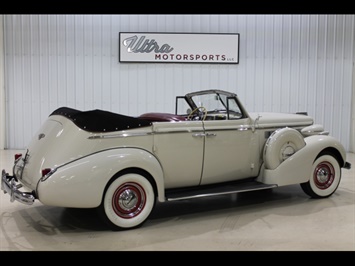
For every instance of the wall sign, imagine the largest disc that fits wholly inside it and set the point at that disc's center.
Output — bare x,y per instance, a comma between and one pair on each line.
179,47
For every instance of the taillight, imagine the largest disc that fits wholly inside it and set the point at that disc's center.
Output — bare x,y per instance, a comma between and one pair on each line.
46,171
18,156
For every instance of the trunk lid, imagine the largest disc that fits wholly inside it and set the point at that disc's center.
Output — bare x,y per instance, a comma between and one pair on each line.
42,142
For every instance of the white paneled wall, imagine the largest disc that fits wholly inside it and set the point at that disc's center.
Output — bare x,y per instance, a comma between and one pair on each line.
2,87
288,63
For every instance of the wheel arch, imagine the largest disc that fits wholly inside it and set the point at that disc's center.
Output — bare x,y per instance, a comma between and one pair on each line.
323,144
148,165
135,170
335,152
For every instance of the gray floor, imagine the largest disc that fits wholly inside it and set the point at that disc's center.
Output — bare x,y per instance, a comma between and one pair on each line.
282,219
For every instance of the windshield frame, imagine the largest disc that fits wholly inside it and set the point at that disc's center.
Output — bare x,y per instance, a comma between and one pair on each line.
224,98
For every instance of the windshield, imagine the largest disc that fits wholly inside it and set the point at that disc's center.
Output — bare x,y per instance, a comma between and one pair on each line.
217,102
212,104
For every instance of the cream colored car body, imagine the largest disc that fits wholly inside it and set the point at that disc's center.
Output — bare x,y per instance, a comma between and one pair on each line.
176,154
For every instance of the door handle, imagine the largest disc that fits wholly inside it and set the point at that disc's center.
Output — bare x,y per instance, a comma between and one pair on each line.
211,134
198,135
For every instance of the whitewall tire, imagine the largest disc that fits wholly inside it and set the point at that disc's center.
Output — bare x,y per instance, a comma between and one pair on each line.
325,177
128,201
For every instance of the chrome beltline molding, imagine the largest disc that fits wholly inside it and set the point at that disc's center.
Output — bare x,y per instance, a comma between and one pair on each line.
138,134
120,135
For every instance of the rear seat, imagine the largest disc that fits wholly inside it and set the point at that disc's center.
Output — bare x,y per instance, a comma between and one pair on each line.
162,117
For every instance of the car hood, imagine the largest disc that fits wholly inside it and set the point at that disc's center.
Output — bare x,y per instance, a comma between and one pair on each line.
265,119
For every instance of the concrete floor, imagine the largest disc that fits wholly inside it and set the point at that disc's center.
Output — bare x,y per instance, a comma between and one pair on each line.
281,219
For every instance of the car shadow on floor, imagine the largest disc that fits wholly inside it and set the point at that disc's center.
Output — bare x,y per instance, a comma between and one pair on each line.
49,220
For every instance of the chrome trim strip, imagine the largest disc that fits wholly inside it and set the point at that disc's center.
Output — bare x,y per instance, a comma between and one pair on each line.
238,128
87,155
179,131
126,135
244,128
281,126
122,135
234,128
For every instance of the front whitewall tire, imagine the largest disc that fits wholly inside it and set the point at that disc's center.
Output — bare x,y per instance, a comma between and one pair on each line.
325,177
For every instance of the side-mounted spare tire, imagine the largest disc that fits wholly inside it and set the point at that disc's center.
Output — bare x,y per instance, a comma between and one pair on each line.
282,144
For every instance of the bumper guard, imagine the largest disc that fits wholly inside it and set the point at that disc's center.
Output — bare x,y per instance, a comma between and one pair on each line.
347,165
8,185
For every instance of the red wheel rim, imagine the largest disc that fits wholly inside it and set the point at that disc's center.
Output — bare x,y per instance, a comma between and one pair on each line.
129,200
324,175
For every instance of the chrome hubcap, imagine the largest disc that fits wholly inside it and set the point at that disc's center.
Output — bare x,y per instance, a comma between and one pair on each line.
324,175
128,200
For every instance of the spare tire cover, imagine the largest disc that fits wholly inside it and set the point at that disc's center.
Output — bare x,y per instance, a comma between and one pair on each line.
281,144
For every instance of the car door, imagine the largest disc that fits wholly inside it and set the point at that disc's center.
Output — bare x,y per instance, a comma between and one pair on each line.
230,150
179,148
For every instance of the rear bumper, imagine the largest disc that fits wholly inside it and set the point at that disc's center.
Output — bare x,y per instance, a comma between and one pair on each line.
9,186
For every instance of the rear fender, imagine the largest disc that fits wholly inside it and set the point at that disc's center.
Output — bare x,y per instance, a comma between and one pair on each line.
297,168
81,183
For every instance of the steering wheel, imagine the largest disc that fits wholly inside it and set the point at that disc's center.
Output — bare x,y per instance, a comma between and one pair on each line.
202,113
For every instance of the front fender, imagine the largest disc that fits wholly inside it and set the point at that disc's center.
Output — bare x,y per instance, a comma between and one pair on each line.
297,168
81,183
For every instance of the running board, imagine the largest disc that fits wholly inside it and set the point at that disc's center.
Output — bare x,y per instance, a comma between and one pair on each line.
216,190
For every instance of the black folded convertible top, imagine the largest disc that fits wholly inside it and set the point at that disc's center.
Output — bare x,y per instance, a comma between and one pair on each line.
100,121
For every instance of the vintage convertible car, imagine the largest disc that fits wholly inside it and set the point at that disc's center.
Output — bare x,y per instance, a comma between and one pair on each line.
210,146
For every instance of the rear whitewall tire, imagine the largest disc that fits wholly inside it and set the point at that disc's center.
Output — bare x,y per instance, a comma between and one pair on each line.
128,201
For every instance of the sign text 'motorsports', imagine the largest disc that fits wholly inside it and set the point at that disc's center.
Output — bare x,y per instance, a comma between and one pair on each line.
179,48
